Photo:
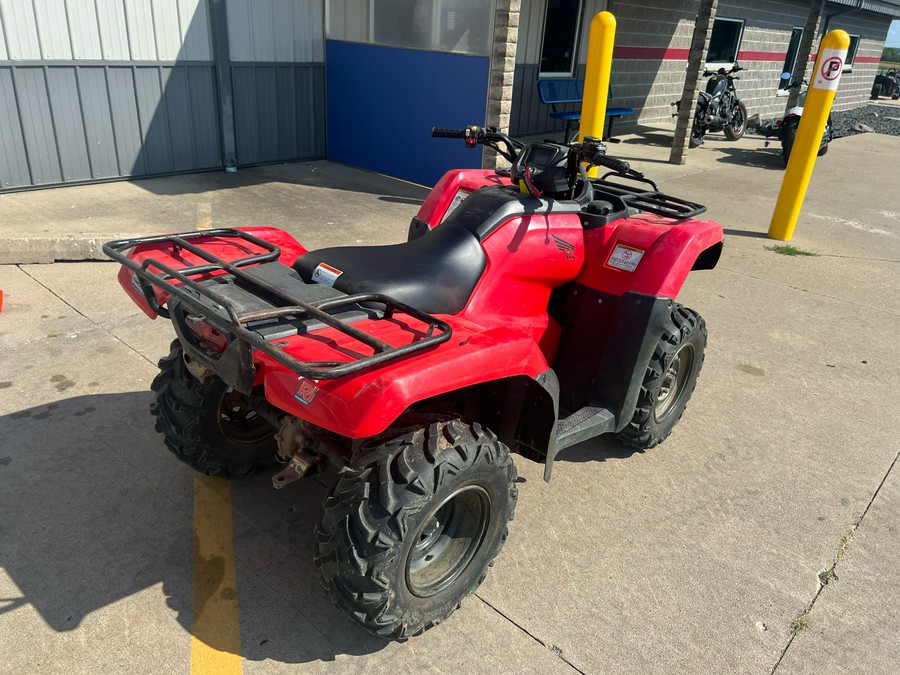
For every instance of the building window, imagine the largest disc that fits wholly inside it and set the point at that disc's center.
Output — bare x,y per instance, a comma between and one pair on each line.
724,43
460,26
561,31
790,59
851,53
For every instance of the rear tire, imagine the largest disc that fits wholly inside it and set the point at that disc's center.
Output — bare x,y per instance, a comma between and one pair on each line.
669,381
697,134
738,126
207,425
413,524
788,134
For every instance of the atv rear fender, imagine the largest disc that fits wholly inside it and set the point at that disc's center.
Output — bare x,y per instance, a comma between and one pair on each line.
368,402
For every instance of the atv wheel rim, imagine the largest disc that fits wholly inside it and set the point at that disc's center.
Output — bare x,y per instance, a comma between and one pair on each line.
672,388
239,422
448,540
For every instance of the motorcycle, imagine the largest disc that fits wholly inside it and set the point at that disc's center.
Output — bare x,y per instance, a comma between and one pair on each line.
718,108
786,129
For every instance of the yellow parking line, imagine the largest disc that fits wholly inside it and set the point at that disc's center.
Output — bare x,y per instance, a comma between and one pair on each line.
216,638
204,215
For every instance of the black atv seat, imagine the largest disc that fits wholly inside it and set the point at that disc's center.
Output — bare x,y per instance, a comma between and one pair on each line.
435,273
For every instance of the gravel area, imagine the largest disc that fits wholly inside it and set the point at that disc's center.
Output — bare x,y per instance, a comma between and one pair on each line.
883,119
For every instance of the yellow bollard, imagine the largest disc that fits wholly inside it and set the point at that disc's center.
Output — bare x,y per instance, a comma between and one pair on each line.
596,78
823,85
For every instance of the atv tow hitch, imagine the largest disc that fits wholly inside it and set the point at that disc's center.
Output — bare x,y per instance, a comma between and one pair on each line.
300,463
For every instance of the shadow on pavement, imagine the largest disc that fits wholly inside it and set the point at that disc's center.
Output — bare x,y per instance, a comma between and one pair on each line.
599,449
745,233
321,174
96,511
759,158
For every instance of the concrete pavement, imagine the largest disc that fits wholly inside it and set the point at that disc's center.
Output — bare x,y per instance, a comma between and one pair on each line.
705,554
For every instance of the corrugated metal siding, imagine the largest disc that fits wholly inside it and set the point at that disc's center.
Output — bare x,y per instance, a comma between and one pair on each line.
70,124
276,30
20,29
14,171
93,89
110,30
279,112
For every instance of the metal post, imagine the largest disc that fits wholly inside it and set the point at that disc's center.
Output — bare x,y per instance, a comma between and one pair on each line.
222,56
596,78
824,84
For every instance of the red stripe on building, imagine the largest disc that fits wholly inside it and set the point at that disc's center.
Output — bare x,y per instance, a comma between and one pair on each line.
667,54
761,56
651,53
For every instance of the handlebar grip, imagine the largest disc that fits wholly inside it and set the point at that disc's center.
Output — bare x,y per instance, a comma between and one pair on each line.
438,132
617,165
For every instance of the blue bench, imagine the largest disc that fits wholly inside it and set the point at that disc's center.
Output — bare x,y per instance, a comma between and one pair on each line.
557,93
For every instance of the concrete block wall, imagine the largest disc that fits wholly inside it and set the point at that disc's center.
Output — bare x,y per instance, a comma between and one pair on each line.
767,34
652,44
856,85
653,39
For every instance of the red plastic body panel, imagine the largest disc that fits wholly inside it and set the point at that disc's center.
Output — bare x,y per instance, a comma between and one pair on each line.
503,331
670,250
435,206
365,404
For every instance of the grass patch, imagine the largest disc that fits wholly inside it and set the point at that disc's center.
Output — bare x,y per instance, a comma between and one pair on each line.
801,622
787,249
52,335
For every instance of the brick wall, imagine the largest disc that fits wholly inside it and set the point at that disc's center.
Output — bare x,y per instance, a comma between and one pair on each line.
652,41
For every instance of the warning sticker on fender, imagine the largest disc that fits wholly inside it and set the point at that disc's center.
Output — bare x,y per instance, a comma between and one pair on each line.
458,199
326,274
625,258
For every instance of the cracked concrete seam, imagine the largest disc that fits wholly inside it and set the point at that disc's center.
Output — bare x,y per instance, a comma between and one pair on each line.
550,647
94,325
825,576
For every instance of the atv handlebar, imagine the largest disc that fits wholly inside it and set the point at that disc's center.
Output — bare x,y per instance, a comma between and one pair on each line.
489,137
439,132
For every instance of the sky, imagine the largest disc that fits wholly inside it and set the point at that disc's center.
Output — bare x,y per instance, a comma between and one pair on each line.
893,38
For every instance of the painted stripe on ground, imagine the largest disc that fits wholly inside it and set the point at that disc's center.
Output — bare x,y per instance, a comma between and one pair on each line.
216,633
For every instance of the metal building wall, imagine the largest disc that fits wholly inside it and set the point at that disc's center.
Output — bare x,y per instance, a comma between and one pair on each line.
97,89
278,76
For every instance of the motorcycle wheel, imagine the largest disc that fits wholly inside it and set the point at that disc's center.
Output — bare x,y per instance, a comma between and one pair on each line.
788,133
738,125
698,131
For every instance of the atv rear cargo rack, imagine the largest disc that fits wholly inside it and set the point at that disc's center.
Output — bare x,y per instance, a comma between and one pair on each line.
235,364
652,201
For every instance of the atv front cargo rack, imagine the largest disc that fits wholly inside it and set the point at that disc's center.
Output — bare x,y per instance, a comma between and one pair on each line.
652,201
275,303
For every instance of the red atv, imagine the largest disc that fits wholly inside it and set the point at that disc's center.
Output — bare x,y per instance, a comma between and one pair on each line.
529,310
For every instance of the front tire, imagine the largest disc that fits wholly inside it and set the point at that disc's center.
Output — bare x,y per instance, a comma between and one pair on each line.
735,130
413,524
669,381
207,425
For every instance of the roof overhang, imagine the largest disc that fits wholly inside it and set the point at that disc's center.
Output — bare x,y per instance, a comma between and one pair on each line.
887,7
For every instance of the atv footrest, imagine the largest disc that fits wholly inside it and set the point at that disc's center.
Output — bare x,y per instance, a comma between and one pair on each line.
255,301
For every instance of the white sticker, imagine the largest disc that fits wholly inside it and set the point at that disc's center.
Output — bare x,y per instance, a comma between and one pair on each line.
830,65
458,199
326,274
625,258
